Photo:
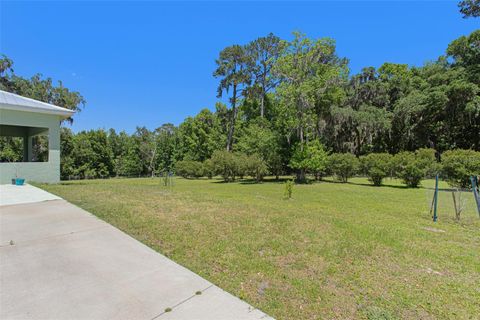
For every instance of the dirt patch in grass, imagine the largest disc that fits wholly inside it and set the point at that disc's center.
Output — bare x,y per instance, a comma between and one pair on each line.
433,230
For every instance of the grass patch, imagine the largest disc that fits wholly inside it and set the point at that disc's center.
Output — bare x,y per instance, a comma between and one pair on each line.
332,251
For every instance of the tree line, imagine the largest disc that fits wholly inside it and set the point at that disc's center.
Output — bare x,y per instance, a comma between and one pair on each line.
286,101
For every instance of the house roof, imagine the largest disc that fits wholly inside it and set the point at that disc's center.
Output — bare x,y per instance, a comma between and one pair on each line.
13,101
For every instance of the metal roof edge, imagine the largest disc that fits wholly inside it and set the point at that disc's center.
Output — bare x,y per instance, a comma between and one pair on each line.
44,106
15,107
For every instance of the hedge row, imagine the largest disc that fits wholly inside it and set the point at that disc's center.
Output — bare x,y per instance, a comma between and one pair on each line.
410,167
226,164
456,166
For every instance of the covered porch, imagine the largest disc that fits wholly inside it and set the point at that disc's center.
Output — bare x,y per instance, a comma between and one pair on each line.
30,133
27,135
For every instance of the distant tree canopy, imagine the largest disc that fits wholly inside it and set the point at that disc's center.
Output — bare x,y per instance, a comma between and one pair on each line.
38,88
470,8
290,105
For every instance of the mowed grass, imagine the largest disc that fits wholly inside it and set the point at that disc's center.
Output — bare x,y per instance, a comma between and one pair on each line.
334,251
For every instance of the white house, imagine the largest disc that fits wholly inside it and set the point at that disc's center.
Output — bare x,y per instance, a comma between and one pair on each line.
24,117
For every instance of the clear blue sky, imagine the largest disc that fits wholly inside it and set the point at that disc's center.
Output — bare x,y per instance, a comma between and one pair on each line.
150,63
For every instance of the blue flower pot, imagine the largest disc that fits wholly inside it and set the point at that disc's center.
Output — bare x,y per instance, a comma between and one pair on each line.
19,181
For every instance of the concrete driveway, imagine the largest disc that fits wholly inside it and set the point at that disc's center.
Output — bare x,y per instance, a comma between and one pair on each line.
58,261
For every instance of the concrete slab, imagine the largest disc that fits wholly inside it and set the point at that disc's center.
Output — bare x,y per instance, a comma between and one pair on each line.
213,304
33,222
67,264
12,194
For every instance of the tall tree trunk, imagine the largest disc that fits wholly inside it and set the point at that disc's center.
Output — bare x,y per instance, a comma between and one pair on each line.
301,175
262,99
358,139
300,131
233,117
152,162
262,108
301,172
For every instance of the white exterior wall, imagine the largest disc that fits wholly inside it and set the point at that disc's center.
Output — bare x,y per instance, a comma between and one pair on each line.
48,172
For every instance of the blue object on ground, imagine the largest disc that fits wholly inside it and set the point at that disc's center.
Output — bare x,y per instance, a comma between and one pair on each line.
19,182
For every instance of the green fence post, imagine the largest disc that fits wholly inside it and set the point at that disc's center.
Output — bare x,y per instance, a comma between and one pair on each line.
475,192
435,197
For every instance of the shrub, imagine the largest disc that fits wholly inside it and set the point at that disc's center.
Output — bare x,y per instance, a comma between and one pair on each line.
343,165
288,189
189,169
376,166
412,167
208,168
406,167
317,159
231,165
298,162
400,160
459,165
224,164
240,167
274,164
311,158
256,167
412,175
428,161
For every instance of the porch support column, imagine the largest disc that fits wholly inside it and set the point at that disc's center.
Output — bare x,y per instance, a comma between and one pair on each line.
27,148
30,148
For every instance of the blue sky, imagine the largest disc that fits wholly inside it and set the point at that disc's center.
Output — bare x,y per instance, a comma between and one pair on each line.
148,63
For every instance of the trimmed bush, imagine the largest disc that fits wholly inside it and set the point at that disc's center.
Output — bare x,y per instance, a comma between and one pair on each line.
412,167
256,167
240,168
189,169
406,168
412,175
459,165
224,164
231,165
208,168
343,165
376,167
428,161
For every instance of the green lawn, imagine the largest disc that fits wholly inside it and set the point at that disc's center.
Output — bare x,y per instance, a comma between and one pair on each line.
334,251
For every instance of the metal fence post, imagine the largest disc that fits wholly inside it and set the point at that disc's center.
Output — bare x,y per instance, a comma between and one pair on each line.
435,196
475,192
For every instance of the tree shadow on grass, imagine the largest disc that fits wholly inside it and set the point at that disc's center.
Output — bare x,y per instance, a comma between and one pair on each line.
221,181
368,184
338,182
448,189
404,187
249,181
381,186
253,181
272,180
264,181
326,180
